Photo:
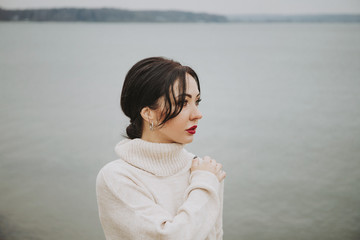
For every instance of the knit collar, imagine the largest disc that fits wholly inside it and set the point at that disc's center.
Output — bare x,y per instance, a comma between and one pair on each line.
160,159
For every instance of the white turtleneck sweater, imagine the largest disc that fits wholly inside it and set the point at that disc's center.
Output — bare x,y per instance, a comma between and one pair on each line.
149,193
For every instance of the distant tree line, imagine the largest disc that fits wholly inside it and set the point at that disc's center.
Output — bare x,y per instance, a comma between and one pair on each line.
296,18
121,15
106,15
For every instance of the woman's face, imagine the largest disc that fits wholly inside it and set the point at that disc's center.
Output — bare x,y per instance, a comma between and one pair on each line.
182,128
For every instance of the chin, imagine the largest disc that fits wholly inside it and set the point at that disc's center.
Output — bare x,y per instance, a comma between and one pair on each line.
180,138
186,140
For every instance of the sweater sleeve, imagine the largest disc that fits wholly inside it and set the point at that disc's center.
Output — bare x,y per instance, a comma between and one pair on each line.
219,221
130,212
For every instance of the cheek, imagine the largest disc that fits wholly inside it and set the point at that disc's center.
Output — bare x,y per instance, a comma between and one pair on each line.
179,123
175,125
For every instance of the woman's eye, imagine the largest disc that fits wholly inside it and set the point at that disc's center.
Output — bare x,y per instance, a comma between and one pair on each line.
198,102
185,103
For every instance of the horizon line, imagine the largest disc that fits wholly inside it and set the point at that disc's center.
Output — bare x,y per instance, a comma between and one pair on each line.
178,10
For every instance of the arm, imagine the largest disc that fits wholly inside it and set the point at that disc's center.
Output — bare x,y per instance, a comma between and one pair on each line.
211,165
130,212
219,221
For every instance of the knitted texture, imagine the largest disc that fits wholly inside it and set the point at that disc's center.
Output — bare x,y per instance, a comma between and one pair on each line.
149,193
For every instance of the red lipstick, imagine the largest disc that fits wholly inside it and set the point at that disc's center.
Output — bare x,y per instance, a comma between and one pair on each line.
192,130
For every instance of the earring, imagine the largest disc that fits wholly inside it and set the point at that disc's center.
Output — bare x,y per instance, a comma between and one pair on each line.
151,126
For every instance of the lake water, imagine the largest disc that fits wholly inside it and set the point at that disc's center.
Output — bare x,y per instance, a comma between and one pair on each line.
281,108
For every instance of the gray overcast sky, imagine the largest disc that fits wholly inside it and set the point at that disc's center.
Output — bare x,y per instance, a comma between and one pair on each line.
210,6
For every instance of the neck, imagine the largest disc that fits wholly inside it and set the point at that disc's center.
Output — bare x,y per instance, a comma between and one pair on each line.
154,136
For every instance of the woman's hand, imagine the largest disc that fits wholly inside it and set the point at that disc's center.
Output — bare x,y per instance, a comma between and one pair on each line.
210,165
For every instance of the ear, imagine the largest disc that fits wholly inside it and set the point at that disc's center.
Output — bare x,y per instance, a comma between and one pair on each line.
148,114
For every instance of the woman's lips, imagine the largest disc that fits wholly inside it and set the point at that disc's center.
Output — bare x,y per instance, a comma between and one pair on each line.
192,130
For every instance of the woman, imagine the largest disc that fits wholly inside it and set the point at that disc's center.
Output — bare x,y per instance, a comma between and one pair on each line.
156,189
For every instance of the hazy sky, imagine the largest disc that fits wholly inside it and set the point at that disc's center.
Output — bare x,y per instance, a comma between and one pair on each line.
210,6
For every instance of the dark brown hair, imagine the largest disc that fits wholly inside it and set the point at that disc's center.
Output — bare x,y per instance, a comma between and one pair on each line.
146,82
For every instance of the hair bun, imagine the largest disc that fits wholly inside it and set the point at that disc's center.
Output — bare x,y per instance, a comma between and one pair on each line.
134,130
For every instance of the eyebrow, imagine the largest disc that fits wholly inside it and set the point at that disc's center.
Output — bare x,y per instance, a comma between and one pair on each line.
188,95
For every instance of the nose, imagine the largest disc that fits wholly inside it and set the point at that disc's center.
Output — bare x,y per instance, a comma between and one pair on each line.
195,114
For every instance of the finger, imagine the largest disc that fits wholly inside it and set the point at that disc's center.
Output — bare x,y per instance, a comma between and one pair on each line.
195,162
221,175
206,159
218,167
213,162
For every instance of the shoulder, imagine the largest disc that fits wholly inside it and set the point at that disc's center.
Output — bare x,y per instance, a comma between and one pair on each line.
119,180
114,172
113,167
